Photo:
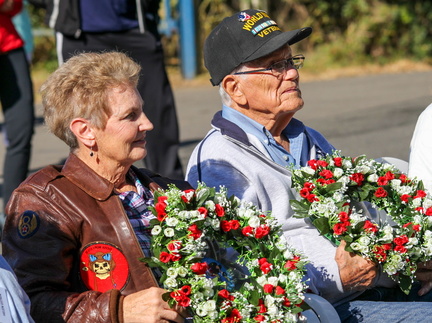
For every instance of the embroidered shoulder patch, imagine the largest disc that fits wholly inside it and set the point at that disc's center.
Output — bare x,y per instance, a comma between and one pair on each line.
28,224
103,266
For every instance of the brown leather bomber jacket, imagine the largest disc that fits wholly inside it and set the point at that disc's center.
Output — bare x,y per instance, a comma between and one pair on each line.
71,244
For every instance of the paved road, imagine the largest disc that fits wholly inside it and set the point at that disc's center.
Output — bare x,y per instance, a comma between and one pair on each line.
372,115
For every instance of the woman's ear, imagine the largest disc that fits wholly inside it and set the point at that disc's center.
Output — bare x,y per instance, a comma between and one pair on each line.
83,131
233,88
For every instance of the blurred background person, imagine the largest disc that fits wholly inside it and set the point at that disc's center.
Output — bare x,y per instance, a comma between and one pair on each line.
129,27
16,97
420,159
23,25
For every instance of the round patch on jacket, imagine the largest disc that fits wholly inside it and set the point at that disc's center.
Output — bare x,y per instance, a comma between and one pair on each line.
103,267
28,224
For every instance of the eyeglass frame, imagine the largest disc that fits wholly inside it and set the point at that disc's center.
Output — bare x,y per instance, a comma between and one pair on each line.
290,62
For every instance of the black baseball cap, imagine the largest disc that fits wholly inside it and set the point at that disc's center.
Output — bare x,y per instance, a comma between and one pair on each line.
243,37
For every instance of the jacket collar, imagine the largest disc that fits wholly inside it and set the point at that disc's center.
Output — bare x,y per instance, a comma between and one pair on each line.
86,178
96,186
230,129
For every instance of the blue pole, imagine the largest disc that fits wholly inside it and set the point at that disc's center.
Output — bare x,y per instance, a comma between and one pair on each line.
188,53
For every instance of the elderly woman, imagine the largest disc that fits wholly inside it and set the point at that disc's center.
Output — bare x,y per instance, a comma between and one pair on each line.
75,233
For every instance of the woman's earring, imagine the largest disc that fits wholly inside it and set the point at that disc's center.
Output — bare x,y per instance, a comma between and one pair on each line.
91,152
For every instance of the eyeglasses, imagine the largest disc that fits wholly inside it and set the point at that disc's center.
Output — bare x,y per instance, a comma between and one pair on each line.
280,67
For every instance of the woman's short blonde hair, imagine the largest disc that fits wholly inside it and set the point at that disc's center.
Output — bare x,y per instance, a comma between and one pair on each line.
79,89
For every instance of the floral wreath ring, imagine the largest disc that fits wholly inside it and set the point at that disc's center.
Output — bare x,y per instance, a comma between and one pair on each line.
224,260
330,191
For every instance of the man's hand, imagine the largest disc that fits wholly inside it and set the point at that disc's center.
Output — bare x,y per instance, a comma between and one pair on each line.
356,272
424,275
149,307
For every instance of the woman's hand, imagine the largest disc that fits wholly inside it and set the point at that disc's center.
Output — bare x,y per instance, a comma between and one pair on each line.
424,275
149,307
356,272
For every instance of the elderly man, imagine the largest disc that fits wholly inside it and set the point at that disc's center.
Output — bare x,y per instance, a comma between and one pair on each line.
255,137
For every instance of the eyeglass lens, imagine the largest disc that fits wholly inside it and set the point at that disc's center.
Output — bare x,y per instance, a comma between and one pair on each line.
282,66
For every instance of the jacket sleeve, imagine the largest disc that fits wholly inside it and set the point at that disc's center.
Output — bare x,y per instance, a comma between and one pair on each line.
44,253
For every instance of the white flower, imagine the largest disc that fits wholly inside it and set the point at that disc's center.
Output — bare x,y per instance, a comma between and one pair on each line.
183,215
169,232
272,281
210,305
172,272
254,222
364,241
412,242
363,169
182,271
372,178
307,170
262,280
156,230
338,172
282,278
395,183
210,205
171,282
346,164
427,203
171,221
416,203
288,254
281,244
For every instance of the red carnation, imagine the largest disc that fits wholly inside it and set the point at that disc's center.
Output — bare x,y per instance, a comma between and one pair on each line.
313,164
401,240
304,192
382,181
339,228
286,302
358,178
370,227
343,217
262,231
309,186
247,231
389,175
420,194
322,163
266,267
219,210
380,192
202,210
223,293
199,268
164,257
338,161
268,288
326,173
405,198
174,245
279,290
262,307
195,233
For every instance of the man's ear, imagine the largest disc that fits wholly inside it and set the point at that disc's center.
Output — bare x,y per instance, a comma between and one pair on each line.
83,131
233,88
